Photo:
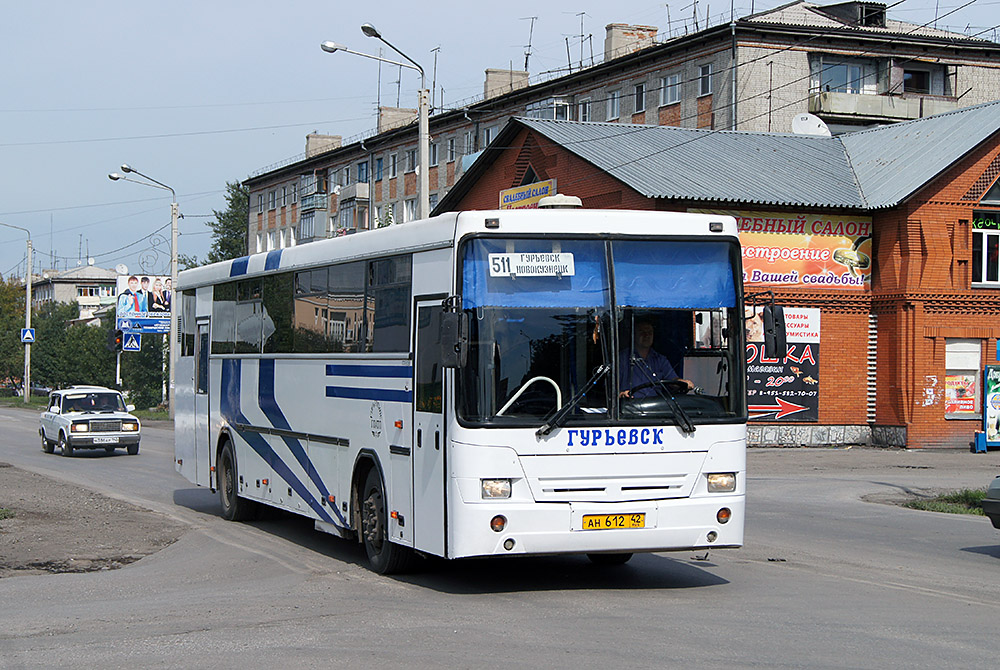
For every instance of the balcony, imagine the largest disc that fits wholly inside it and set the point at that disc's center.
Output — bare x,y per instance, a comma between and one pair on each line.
314,201
355,191
832,105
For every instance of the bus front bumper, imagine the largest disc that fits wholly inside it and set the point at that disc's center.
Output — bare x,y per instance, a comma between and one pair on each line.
676,524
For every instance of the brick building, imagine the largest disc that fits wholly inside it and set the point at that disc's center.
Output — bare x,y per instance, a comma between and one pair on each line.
903,224
850,64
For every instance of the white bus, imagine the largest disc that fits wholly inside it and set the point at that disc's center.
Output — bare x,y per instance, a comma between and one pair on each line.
477,384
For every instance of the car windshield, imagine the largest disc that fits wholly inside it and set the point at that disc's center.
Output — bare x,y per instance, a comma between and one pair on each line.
546,315
93,402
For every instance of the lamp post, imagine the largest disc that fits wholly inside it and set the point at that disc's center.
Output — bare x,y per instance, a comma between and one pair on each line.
27,315
423,111
114,176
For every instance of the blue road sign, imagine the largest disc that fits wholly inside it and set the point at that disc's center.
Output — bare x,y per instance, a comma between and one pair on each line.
27,335
132,342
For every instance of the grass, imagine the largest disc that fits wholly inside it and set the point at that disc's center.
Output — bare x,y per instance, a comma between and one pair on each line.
6,513
966,501
39,401
152,414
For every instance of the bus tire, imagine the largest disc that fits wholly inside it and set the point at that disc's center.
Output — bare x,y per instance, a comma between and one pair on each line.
384,557
234,508
609,559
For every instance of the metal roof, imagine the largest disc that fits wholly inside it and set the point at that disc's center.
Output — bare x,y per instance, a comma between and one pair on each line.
868,169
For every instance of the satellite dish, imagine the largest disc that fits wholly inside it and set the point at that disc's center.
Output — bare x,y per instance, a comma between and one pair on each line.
809,124
121,269
90,261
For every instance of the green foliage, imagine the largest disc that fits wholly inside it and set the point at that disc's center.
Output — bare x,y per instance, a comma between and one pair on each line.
144,371
229,231
965,501
6,513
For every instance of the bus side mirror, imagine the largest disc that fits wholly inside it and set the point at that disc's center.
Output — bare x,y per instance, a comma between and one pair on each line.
774,332
454,343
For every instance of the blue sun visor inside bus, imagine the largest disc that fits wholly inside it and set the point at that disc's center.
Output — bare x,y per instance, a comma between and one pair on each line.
673,274
534,273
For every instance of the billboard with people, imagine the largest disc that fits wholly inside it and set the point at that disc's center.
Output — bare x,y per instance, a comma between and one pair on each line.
143,303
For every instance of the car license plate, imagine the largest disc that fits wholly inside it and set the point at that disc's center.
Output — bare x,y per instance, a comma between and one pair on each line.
105,440
611,521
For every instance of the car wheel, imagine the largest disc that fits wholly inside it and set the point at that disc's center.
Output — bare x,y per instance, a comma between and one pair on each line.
132,449
234,508
384,557
609,559
64,445
47,445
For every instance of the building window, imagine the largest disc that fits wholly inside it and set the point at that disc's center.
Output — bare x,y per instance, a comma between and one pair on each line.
433,150
346,214
260,203
306,227
639,96
614,103
378,169
583,110
410,210
295,193
705,79
270,199
432,201
552,108
961,381
281,239
284,196
916,81
345,179
986,247
670,89
470,142
835,74
452,153
488,135
393,166
272,241
260,244
363,172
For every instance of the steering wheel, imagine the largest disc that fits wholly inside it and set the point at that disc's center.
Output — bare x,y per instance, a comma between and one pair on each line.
672,386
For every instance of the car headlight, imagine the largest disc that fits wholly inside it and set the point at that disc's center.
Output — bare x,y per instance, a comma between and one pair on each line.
496,488
722,482
80,427
130,426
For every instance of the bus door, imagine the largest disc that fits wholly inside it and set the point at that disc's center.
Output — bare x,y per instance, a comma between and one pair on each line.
202,346
428,431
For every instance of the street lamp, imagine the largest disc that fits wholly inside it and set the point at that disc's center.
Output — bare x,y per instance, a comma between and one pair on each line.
114,176
423,111
27,315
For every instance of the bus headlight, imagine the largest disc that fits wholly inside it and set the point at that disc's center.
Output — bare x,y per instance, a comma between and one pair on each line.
496,488
722,482
80,427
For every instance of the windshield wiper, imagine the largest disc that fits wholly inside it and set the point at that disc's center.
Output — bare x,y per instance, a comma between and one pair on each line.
683,420
563,412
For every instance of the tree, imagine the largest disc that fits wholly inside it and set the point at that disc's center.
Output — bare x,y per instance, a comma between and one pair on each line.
229,231
11,323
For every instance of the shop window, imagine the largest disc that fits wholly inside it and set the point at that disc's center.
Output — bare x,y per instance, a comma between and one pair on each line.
961,382
986,248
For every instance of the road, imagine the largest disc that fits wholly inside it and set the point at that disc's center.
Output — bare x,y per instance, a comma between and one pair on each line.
826,580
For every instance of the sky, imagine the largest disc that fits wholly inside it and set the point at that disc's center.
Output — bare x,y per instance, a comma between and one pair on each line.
199,93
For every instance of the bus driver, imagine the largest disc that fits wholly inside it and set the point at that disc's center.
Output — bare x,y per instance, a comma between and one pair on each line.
650,364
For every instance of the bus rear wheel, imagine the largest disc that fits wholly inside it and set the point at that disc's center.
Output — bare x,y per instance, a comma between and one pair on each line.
609,559
234,508
384,557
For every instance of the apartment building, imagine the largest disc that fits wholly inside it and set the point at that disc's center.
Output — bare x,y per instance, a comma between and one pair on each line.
850,64
89,286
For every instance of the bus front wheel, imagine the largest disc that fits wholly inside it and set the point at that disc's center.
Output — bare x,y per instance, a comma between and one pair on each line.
384,557
234,508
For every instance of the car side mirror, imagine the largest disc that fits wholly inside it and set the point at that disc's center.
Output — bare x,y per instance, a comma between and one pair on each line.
454,339
129,408
54,409
774,332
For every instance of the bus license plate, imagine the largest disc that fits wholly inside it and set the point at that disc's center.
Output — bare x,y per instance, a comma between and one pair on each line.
105,440
610,521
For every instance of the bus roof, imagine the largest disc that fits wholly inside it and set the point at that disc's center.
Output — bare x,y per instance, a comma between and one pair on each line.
443,231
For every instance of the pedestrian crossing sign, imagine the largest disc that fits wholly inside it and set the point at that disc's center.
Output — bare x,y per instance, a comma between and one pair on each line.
28,335
132,342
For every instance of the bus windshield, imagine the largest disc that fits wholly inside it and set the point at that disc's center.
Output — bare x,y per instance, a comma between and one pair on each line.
597,331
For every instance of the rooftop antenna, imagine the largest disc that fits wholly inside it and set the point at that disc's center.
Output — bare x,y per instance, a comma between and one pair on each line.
670,25
398,83
378,95
569,59
531,32
582,35
435,51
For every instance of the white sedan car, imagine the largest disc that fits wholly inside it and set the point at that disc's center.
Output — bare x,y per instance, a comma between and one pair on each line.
88,417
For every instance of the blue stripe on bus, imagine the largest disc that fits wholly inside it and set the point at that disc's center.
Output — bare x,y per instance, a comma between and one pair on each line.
397,371
272,260
230,407
239,266
269,405
387,395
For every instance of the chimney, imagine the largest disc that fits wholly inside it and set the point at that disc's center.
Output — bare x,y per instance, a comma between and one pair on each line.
317,144
395,117
622,39
499,82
